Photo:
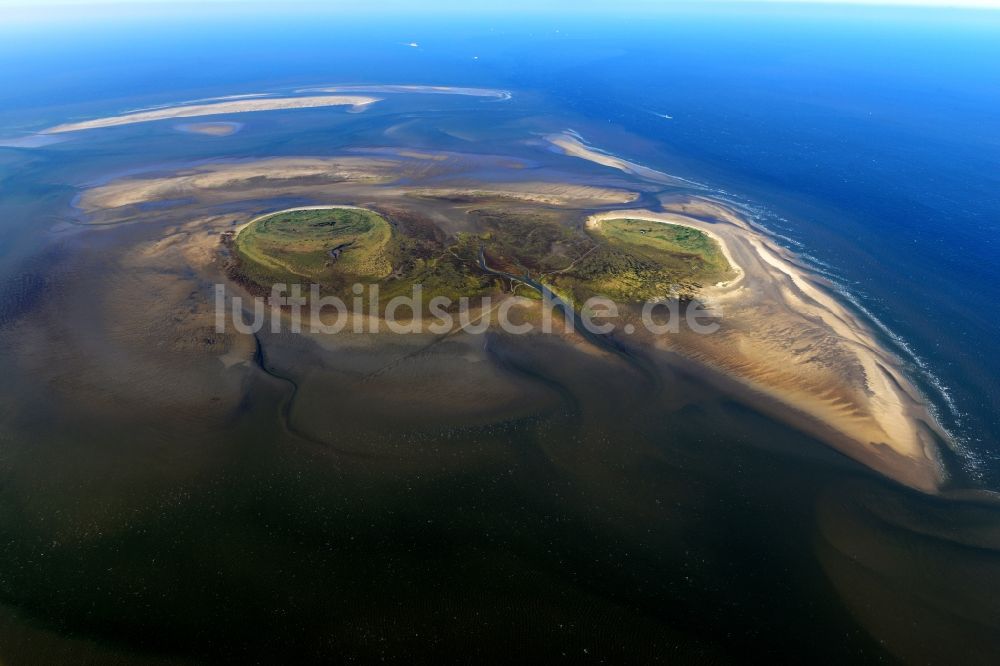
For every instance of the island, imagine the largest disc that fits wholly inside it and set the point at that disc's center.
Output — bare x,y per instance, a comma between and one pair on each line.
476,226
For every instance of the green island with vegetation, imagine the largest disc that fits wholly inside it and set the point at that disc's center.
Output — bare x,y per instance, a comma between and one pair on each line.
625,259
316,245
336,248
638,260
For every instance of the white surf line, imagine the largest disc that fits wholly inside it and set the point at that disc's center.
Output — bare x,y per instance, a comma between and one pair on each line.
826,309
755,214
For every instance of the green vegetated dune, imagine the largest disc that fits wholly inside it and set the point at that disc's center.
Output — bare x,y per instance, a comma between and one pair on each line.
338,247
637,260
625,259
316,246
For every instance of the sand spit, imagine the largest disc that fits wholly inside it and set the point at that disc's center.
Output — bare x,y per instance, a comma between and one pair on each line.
234,179
305,176
552,194
428,90
785,336
571,144
238,106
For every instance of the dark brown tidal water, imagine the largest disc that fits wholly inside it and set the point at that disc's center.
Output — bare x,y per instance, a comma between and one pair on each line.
608,525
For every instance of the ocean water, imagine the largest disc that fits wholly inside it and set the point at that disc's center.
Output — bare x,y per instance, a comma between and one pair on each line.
868,141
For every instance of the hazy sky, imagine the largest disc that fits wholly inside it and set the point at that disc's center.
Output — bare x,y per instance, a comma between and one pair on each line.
499,5
15,13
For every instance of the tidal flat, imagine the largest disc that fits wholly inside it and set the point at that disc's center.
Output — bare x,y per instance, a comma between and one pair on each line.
779,487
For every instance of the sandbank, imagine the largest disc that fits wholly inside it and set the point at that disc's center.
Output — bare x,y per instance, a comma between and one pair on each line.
786,337
195,110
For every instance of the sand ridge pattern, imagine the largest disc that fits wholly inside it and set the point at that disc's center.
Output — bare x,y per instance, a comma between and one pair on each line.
786,337
791,346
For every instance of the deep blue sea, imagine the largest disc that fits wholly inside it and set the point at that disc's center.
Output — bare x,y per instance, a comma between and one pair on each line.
868,138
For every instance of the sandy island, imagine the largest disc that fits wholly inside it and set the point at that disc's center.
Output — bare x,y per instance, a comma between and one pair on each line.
786,342
357,102
786,337
314,175
236,181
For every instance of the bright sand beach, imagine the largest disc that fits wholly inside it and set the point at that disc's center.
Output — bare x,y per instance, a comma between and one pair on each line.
357,102
785,337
